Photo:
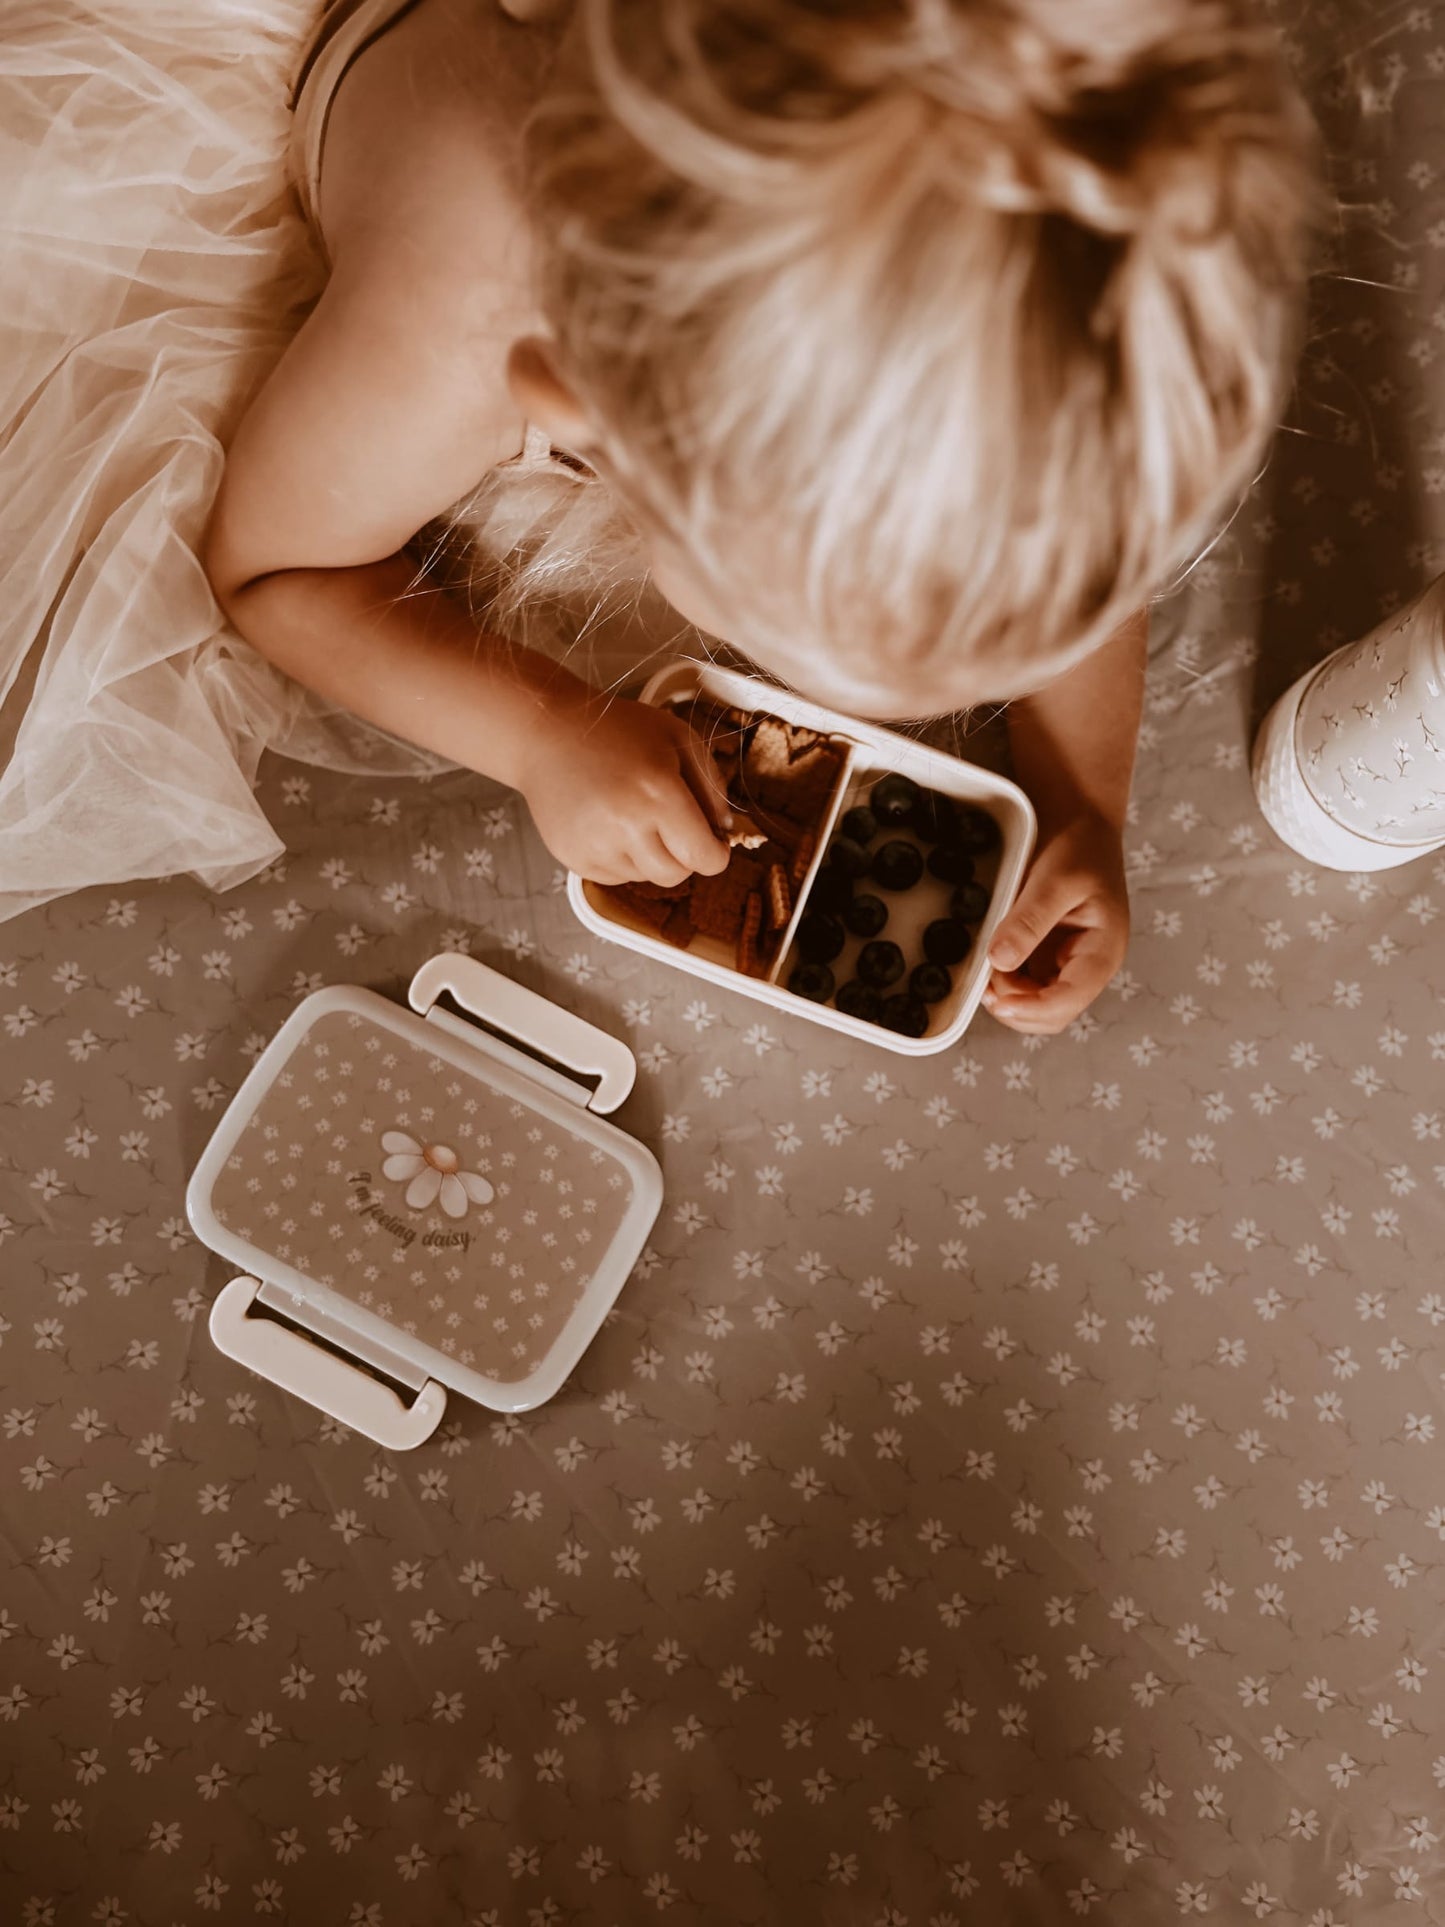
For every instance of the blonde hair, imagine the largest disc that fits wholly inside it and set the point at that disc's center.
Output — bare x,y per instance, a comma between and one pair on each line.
976,310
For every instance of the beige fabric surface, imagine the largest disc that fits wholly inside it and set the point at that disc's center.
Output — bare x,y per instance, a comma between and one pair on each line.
1010,1489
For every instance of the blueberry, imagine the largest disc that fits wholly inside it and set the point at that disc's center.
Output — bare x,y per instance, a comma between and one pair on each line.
866,916
935,818
846,856
950,863
948,941
813,981
897,865
930,983
820,937
832,890
880,964
904,1014
976,832
894,799
858,1000
970,901
859,824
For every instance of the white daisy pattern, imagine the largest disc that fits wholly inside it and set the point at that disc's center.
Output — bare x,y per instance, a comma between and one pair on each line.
1008,1488
432,1174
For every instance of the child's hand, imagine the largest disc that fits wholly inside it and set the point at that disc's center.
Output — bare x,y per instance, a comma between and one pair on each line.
1066,935
623,792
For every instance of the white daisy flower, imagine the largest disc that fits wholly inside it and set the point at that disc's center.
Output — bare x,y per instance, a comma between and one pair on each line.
432,1174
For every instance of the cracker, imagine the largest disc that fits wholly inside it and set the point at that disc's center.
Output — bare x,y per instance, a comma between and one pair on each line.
745,834
779,778
718,903
648,910
780,897
770,747
801,789
748,935
679,928
773,831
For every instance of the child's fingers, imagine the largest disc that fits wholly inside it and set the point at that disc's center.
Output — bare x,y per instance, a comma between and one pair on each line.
1041,1018
690,837
1086,962
654,862
1044,1013
1043,901
700,773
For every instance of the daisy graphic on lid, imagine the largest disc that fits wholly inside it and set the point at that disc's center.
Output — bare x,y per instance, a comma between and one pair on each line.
432,1174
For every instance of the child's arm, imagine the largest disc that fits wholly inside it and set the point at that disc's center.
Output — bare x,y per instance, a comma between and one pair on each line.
368,428
1073,748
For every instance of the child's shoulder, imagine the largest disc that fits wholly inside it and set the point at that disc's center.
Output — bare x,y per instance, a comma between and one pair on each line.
420,171
392,402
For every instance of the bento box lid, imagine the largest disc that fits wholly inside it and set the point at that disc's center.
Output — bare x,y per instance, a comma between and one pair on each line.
430,1192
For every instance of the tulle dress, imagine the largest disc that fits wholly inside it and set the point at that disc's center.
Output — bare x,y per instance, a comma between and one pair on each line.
154,263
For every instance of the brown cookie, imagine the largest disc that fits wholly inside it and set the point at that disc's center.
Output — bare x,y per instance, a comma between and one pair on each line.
718,902
748,958
770,748
652,911
679,927
745,834
779,897
802,789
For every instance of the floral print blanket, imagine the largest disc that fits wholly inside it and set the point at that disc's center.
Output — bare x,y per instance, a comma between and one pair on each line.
1009,1488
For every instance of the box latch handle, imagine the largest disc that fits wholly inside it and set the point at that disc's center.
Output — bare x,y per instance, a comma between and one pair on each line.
531,1019
291,1361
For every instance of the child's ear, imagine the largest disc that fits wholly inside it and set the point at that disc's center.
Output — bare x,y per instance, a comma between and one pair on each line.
544,397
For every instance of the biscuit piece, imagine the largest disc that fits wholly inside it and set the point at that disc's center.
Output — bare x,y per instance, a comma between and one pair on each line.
748,959
679,928
779,778
745,834
801,791
773,832
718,903
650,910
770,747
780,897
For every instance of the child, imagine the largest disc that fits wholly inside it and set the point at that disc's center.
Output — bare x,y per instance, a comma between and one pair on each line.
906,344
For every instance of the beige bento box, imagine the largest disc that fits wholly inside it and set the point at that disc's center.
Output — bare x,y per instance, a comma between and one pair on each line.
871,752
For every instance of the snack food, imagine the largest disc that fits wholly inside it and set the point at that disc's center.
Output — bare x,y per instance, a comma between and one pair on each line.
897,864
904,1014
903,858
857,1000
880,963
970,901
820,937
930,983
779,778
950,863
813,981
947,941
865,916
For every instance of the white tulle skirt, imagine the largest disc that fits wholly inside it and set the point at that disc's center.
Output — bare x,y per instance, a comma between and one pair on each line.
153,267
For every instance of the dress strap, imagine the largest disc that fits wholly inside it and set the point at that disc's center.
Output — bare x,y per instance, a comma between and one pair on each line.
540,451
536,446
